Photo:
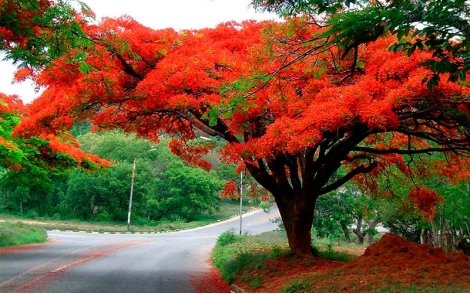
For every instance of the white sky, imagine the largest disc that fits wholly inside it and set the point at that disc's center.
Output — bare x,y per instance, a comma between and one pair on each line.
158,14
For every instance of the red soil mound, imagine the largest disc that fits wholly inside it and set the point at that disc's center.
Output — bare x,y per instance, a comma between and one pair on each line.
396,264
390,265
398,253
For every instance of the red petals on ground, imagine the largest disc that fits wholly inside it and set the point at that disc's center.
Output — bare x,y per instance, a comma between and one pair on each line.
211,282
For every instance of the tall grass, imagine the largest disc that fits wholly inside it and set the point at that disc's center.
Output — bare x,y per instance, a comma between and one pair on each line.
234,253
19,233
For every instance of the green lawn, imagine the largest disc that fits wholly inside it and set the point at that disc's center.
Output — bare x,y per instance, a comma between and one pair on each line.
19,233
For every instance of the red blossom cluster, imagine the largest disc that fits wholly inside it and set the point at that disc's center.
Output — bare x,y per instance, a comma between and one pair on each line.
425,200
230,190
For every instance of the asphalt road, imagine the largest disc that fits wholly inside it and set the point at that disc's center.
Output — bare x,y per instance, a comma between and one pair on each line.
88,262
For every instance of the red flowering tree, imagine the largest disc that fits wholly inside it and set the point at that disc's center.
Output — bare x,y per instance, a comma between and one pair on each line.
301,117
46,151
34,32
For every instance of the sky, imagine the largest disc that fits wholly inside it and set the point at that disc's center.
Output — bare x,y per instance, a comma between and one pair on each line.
157,14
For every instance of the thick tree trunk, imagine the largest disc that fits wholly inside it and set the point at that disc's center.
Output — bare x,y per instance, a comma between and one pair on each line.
297,217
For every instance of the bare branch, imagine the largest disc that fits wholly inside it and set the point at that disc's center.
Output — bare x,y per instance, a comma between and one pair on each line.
365,168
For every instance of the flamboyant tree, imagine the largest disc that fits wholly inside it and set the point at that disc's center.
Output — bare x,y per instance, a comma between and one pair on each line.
302,116
441,27
21,155
34,32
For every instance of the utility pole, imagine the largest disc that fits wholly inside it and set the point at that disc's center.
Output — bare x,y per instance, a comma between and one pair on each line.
241,200
130,197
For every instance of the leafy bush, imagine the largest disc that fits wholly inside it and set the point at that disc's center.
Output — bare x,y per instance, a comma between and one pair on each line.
226,238
102,217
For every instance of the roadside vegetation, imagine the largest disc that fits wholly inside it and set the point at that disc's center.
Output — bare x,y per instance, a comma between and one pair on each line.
236,256
15,233
228,209
168,194
263,264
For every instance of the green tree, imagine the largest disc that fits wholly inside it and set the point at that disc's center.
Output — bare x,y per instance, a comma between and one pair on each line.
187,192
105,195
334,215
164,187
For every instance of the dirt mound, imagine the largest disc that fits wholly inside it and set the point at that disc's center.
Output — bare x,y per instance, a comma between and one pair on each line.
396,262
392,248
393,264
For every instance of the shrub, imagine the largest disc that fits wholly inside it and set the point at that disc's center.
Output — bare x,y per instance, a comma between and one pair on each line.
226,238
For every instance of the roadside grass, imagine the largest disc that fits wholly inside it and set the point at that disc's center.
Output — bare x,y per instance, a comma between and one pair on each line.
234,253
263,264
19,234
238,256
227,210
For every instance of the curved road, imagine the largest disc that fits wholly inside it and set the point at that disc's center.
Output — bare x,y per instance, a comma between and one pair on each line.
88,262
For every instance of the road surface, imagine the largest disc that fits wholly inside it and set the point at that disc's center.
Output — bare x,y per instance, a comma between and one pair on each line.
88,262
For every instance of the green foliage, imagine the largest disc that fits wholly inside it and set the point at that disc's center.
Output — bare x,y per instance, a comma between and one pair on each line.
232,267
186,191
226,238
289,8
39,33
10,153
334,213
407,225
165,188
18,233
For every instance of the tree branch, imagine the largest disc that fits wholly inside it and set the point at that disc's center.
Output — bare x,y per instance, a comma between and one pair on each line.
338,183
404,151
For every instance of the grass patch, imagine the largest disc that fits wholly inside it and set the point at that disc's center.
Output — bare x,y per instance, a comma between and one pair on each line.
334,255
234,253
19,233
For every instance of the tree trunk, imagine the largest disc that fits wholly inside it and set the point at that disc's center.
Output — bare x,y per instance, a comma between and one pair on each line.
358,230
371,226
297,217
345,229
434,235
